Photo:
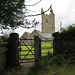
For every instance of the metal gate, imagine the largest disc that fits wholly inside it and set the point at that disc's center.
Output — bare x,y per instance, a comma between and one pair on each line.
26,50
46,47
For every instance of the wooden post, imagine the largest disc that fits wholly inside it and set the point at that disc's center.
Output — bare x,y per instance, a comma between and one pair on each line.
37,50
13,53
40,48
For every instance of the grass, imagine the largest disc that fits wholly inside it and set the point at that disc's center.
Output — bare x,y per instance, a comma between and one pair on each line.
47,67
54,70
13,71
45,48
50,65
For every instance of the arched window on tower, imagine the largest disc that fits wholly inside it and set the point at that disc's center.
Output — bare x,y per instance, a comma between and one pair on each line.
46,20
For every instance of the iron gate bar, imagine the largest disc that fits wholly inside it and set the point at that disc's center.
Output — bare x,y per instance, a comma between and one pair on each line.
44,53
27,45
26,39
29,50
27,61
24,55
46,40
47,47
25,50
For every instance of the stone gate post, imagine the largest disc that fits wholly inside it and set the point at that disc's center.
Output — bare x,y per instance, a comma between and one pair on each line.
37,49
13,53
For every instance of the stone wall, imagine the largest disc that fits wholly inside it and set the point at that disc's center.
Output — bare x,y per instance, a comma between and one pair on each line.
3,50
64,43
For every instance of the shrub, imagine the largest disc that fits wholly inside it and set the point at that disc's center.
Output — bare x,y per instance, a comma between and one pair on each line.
68,29
58,59
3,38
71,27
64,43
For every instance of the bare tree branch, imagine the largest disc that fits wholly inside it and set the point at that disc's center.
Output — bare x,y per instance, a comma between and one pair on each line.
30,24
39,13
34,22
34,4
28,27
33,11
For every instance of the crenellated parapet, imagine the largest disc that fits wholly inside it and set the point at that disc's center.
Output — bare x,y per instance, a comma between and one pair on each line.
48,21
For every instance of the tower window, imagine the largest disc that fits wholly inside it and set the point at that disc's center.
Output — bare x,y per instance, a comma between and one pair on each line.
46,21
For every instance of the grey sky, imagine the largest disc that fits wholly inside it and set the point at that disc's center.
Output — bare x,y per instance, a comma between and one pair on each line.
64,11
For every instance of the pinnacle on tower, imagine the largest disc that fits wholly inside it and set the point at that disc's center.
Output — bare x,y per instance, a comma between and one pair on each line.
42,10
51,10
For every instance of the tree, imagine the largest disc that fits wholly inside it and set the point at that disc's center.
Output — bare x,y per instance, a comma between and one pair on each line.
11,13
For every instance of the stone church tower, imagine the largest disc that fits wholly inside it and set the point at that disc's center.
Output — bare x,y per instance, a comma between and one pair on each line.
48,22
48,27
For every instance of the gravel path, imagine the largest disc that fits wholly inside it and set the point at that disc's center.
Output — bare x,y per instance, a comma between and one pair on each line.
25,68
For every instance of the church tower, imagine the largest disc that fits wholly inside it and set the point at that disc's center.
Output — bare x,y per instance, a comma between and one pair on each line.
48,22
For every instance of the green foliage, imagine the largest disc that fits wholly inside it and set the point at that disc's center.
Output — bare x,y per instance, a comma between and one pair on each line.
68,29
59,60
50,55
56,65
11,12
3,38
64,43
13,71
62,30
71,27
53,65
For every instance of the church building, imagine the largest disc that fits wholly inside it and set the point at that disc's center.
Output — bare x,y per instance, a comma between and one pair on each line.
48,27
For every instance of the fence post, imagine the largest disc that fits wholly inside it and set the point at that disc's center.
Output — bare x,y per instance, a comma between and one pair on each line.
13,53
37,50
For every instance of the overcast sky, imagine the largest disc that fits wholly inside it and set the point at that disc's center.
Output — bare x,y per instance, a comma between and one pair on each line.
64,11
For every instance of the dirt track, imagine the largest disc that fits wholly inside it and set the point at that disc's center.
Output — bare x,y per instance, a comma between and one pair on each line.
25,68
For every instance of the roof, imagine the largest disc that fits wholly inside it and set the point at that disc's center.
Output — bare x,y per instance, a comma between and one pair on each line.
42,34
36,32
26,33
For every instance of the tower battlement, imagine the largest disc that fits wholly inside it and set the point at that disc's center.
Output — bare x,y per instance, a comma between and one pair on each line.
48,21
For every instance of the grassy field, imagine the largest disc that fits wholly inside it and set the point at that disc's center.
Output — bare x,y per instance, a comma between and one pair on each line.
45,48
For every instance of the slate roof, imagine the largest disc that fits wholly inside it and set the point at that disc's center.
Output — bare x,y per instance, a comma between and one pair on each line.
42,34
26,33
